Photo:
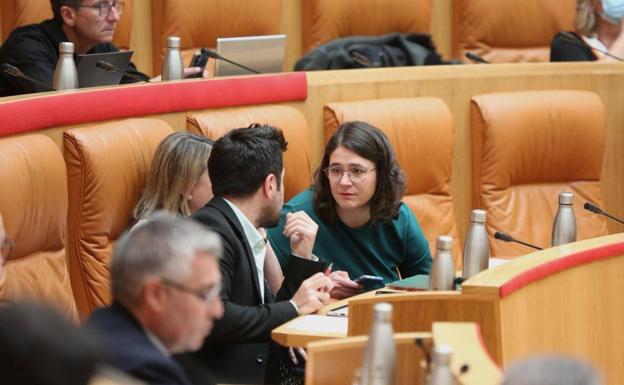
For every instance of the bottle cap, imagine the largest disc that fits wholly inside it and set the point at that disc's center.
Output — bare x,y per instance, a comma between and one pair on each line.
382,312
444,243
478,216
566,198
442,354
66,47
173,42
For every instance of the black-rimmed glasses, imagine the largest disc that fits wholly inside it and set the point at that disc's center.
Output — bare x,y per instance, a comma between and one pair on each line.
104,7
206,296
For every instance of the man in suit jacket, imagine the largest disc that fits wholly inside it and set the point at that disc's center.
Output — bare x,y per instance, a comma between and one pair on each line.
246,170
165,284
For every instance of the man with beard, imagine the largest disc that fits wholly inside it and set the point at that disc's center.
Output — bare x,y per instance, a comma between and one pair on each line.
246,170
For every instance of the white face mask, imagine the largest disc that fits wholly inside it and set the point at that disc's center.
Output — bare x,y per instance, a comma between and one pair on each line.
613,10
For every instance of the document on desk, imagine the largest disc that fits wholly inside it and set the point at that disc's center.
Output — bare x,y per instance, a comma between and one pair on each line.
320,324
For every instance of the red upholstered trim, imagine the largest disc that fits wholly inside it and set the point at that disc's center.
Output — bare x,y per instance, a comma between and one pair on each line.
68,108
557,265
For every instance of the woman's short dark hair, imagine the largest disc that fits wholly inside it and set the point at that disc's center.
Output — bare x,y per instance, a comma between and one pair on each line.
370,143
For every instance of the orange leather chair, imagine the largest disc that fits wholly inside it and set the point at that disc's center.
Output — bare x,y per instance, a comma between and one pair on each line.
421,133
213,124
529,146
505,31
16,13
107,165
33,203
199,23
326,20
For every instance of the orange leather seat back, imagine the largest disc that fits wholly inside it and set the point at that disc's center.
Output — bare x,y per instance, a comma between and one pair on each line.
504,31
214,124
33,203
107,165
199,23
529,146
421,133
326,20
16,13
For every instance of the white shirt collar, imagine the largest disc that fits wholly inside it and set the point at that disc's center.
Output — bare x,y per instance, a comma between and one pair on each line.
255,241
159,345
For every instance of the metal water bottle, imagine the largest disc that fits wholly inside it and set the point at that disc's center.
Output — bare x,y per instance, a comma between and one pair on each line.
564,226
65,74
380,353
440,371
443,269
477,246
173,67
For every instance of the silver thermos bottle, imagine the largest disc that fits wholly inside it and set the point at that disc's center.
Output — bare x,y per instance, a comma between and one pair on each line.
440,371
380,353
564,226
65,74
173,67
477,246
443,269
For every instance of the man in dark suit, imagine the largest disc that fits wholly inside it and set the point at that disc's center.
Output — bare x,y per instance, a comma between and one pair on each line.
246,170
165,283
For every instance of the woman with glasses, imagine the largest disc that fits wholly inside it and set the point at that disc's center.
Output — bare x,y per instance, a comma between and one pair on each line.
364,229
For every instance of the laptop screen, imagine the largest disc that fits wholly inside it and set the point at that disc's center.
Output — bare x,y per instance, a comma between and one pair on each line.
89,75
264,54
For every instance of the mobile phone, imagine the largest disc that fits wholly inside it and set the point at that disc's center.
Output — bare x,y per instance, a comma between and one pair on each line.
199,60
370,282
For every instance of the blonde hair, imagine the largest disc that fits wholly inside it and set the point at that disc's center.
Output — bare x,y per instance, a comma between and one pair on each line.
180,160
585,22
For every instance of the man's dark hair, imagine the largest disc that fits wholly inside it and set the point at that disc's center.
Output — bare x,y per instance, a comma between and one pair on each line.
368,142
57,4
241,160
40,347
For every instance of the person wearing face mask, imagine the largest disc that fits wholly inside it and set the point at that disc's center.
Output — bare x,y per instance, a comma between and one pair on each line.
363,227
598,28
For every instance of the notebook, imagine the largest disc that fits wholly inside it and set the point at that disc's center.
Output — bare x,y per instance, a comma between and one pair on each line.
89,75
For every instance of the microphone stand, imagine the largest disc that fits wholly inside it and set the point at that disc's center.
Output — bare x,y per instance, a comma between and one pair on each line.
16,72
215,55
106,66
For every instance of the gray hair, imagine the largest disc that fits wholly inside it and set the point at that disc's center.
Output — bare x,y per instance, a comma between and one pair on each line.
586,22
162,246
551,370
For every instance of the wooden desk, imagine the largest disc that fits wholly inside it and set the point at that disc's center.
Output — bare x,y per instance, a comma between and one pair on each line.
566,299
464,338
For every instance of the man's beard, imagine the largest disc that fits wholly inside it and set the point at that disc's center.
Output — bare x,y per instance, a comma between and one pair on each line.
270,215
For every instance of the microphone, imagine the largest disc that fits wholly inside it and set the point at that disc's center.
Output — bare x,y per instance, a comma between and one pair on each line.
214,55
16,72
597,210
476,58
106,66
573,39
508,238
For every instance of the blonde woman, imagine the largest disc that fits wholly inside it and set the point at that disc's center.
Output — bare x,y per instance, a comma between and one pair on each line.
598,28
178,182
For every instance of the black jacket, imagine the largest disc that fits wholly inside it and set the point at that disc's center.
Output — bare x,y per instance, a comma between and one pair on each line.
127,348
570,47
34,50
236,350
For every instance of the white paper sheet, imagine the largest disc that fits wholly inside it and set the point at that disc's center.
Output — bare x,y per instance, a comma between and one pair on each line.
320,324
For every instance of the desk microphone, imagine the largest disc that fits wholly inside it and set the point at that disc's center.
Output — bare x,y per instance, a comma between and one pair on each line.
571,38
508,238
597,210
476,58
106,66
214,55
17,73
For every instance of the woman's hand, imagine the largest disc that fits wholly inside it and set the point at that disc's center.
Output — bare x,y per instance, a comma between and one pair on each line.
344,287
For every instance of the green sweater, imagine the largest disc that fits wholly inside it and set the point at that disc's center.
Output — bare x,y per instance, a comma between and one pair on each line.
374,249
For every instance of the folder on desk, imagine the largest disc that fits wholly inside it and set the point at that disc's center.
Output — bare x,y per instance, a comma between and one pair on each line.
415,282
